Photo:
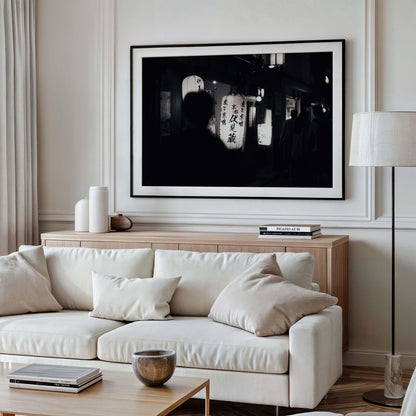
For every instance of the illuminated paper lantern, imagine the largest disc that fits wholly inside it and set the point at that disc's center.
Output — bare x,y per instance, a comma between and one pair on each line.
264,130
233,121
193,83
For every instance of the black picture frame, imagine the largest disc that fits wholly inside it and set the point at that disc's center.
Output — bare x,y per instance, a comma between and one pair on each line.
250,147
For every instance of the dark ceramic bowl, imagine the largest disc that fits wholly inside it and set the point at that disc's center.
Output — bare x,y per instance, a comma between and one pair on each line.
154,367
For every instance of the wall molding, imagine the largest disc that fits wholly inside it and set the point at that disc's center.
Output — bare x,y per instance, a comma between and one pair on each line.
370,97
369,215
107,146
375,359
367,210
106,97
233,223
370,55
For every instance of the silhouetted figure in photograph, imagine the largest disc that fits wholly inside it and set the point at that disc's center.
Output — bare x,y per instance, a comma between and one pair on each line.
320,133
201,157
286,139
300,151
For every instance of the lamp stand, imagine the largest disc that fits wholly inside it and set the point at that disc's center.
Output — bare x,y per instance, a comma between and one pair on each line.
392,395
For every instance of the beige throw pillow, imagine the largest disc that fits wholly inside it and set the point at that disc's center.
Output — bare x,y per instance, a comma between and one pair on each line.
35,256
23,288
130,299
261,302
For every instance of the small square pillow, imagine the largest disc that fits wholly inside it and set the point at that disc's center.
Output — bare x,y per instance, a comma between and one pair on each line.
131,299
264,303
23,288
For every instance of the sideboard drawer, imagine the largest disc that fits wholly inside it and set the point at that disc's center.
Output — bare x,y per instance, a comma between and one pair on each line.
165,246
202,248
249,249
62,243
115,244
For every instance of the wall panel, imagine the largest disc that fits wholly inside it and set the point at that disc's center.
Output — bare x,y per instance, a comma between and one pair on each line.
68,102
295,20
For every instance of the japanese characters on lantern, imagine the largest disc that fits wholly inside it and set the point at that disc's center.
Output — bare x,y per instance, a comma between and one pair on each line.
233,121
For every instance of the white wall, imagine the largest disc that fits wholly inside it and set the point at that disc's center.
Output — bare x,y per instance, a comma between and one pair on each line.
70,42
68,72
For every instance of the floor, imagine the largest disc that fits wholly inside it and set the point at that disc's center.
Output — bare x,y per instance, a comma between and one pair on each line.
344,397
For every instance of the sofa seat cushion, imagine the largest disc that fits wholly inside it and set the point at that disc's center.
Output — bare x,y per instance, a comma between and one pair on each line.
68,334
199,342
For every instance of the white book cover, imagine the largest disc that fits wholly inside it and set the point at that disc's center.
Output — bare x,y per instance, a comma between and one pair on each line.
289,227
48,373
290,232
22,384
288,237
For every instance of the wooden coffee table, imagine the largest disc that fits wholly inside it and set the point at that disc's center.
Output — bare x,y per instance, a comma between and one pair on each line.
120,393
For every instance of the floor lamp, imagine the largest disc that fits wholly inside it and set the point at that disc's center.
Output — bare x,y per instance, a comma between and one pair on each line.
386,139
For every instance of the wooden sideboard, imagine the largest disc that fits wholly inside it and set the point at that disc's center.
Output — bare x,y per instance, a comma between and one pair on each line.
330,251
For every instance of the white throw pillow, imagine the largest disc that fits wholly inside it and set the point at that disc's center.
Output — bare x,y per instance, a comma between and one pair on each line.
70,270
23,288
262,302
124,299
204,275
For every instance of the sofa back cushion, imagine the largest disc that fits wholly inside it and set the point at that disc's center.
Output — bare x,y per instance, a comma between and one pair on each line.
205,275
70,270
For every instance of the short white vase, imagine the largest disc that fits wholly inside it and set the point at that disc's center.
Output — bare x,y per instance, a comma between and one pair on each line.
82,215
393,385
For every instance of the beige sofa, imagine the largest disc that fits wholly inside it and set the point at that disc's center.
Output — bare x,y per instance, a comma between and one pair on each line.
295,369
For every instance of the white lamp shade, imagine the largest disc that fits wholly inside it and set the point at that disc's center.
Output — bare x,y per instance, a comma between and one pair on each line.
383,138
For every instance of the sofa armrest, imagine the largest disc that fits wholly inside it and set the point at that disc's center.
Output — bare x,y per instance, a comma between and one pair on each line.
315,356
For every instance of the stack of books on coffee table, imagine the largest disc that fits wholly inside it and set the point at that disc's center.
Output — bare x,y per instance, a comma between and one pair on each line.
54,377
285,231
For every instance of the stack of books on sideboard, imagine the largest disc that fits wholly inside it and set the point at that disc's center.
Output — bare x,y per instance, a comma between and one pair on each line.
285,231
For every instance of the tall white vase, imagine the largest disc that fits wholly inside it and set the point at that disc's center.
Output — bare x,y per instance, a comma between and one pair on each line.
98,209
82,215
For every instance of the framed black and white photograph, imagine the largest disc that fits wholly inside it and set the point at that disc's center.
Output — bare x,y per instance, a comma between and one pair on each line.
253,120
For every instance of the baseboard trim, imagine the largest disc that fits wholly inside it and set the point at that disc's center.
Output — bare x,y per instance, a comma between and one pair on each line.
375,359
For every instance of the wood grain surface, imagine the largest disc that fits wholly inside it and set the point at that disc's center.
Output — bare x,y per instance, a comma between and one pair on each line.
120,393
194,237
